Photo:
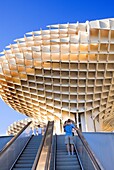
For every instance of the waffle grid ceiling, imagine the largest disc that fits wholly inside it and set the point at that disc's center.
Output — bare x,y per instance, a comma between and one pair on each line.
53,74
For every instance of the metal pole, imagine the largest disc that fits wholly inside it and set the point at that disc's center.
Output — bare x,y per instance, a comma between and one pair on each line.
77,117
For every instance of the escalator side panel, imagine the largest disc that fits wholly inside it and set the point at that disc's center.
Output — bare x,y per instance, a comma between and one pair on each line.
4,140
7,159
102,145
12,149
85,159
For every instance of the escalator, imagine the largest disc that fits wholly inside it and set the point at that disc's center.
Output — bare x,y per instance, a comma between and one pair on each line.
27,157
83,158
63,160
52,154
20,152
26,152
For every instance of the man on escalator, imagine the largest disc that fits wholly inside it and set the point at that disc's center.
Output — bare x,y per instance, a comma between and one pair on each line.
68,128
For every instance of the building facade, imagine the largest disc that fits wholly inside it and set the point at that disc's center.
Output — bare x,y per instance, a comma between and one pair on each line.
66,71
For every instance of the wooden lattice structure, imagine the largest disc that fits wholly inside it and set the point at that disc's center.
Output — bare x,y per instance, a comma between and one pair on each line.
15,127
66,71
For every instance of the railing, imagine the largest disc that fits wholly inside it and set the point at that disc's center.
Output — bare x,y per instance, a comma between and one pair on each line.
12,149
54,154
79,160
14,138
42,160
85,151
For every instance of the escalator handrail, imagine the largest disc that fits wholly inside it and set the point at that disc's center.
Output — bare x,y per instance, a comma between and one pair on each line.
49,150
55,149
78,157
40,149
14,138
97,165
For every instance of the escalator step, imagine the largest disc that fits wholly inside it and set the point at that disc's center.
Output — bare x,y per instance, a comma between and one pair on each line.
28,154
31,148
58,151
27,158
72,163
68,167
66,159
28,165
62,154
66,156
21,168
25,161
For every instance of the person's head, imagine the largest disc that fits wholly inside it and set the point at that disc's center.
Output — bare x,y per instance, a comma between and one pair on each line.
39,126
69,121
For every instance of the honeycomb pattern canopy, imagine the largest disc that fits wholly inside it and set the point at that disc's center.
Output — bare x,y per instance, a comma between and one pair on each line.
66,71
15,127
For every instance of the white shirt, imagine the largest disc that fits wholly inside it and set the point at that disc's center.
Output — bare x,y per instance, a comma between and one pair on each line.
39,131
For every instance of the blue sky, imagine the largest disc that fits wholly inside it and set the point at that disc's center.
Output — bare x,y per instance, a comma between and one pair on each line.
19,17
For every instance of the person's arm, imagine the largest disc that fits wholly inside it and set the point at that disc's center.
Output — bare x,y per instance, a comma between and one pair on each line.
74,127
64,124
